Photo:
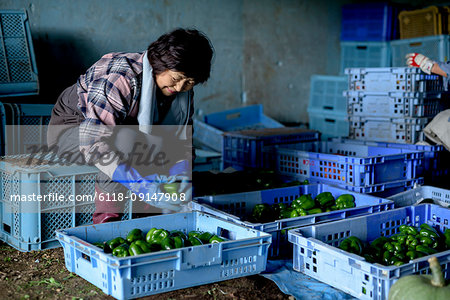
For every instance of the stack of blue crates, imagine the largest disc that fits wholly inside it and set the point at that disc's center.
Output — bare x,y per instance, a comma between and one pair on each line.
366,31
391,107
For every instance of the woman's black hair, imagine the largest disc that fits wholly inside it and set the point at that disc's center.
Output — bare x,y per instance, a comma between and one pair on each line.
184,50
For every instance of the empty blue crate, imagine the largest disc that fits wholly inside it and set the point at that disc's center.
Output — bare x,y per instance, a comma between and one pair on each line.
316,251
39,195
238,208
18,71
244,253
364,55
436,163
326,94
209,131
368,22
418,194
347,164
393,80
435,47
256,148
396,104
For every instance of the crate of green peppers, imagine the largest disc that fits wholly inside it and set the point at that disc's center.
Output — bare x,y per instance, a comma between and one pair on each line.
147,256
156,239
276,210
365,256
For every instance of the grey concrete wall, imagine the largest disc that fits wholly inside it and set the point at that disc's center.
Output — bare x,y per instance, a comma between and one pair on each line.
266,50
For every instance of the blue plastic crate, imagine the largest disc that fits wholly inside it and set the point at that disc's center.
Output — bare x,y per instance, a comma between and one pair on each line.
18,71
329,124
435,47
411,197
399,79
243,254
390,130
207,160
396,104
237,207
368,22
256,148
364,55
28,224
347,164
316,253
436,163
326,94
209,131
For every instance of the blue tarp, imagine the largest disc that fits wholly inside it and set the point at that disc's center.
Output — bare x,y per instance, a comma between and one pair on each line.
299,285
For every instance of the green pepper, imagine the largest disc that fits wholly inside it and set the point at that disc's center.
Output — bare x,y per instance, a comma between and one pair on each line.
425,250
139,247
113,243
171,188
411,241
179,233
305,201
387,257
345,201
397,246
389,247
167,243
428,227
216,239
352,244
298,212
315,211
325,199
121,250
99,245
278,207
286,213
379,242
155,235
408,229
447,237
178,241
429,233
134,235
412,254
262,213
205,237
425,240
195,233
195,241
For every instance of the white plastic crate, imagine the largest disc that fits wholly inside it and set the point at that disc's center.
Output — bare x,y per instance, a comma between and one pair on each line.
66,194
392,130
243,254
393,80
411,197
326,94
316,253
435,47
395,104
329,124
365,55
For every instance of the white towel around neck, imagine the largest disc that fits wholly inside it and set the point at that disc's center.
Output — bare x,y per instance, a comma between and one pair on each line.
148,94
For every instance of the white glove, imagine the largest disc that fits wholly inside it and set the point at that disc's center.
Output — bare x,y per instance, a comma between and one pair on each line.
419,61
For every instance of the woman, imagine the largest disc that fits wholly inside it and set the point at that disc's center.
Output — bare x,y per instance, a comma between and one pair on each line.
152,90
